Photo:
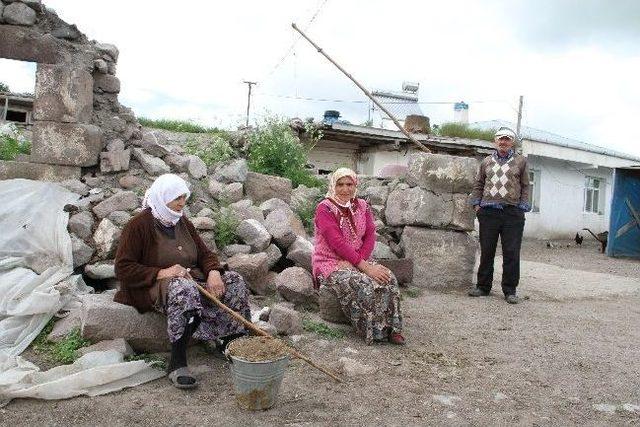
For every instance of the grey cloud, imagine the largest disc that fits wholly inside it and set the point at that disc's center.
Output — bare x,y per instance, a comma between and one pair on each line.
560,24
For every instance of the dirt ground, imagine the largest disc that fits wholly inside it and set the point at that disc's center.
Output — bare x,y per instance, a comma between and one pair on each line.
567,355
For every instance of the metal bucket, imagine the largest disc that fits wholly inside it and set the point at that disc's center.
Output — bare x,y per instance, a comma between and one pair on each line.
256,384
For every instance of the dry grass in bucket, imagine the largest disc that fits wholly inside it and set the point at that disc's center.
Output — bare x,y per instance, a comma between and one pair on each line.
258,349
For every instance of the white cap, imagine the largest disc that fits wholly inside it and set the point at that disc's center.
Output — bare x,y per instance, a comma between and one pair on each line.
505,131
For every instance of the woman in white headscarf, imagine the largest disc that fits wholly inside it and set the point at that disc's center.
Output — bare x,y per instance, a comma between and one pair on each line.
160,258
345,236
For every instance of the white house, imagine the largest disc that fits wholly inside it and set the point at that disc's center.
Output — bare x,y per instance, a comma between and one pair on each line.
572,181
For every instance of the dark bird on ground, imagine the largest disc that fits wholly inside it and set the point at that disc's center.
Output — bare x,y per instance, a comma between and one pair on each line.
578,239
600,237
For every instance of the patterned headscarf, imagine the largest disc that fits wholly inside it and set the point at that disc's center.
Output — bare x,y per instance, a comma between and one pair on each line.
333,181
164,189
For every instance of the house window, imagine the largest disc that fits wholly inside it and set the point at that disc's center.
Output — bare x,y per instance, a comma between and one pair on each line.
593,188
534,189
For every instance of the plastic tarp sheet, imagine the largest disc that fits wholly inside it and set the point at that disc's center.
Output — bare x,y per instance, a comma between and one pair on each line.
624,223
36,281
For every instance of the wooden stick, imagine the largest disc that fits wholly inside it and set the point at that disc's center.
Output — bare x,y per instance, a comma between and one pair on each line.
259,331
366,92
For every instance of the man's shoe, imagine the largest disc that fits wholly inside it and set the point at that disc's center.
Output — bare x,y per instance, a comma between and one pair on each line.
477,292
512,299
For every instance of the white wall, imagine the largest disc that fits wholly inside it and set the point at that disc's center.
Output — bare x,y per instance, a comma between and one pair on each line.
562,199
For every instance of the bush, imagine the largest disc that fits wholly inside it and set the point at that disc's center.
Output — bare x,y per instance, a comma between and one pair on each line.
226,226
4,87
462,130
275,150
12,142
218,150
180,126
306,211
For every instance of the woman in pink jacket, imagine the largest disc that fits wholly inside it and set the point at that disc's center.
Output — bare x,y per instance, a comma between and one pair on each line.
344,239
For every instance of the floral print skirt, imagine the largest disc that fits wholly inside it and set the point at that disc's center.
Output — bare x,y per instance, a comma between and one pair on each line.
183,299
372,308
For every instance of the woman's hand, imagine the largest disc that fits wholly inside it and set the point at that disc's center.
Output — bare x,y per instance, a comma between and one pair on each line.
477,207
215,285
173,271
377,272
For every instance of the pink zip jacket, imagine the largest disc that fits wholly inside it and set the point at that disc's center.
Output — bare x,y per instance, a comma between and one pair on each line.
336,239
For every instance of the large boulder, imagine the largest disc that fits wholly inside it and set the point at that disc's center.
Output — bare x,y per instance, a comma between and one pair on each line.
236,171
274,254
278,225
300,253
122,201
442,259
103,319
285,319
417,206
442,173
382,251
273,204
81,224
254,234
244,209
100,271
118,344
114,161
196,167
106,238
70,144
376,195
296,285
81,252
402,268
259,187
152,165
234,249
301,196
330,308
19,14
253,268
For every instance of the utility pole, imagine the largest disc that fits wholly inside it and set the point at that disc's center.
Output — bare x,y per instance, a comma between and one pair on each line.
249,98
519,117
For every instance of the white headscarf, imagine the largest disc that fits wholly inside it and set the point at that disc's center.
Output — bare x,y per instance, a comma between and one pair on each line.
333,181
164,189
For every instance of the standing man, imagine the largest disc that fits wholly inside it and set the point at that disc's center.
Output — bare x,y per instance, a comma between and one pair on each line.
500,198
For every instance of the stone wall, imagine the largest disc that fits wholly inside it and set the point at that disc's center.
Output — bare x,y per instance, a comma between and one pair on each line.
76,111
92,145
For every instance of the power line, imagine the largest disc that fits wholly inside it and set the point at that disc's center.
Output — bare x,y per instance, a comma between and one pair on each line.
295,41
362,101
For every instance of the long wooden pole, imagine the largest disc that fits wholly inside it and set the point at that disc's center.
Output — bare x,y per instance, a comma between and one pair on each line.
366,92
259,331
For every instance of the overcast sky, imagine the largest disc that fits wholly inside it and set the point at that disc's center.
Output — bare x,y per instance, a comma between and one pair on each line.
577,62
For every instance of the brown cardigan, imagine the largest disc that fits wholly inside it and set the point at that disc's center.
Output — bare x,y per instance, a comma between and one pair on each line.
134,263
